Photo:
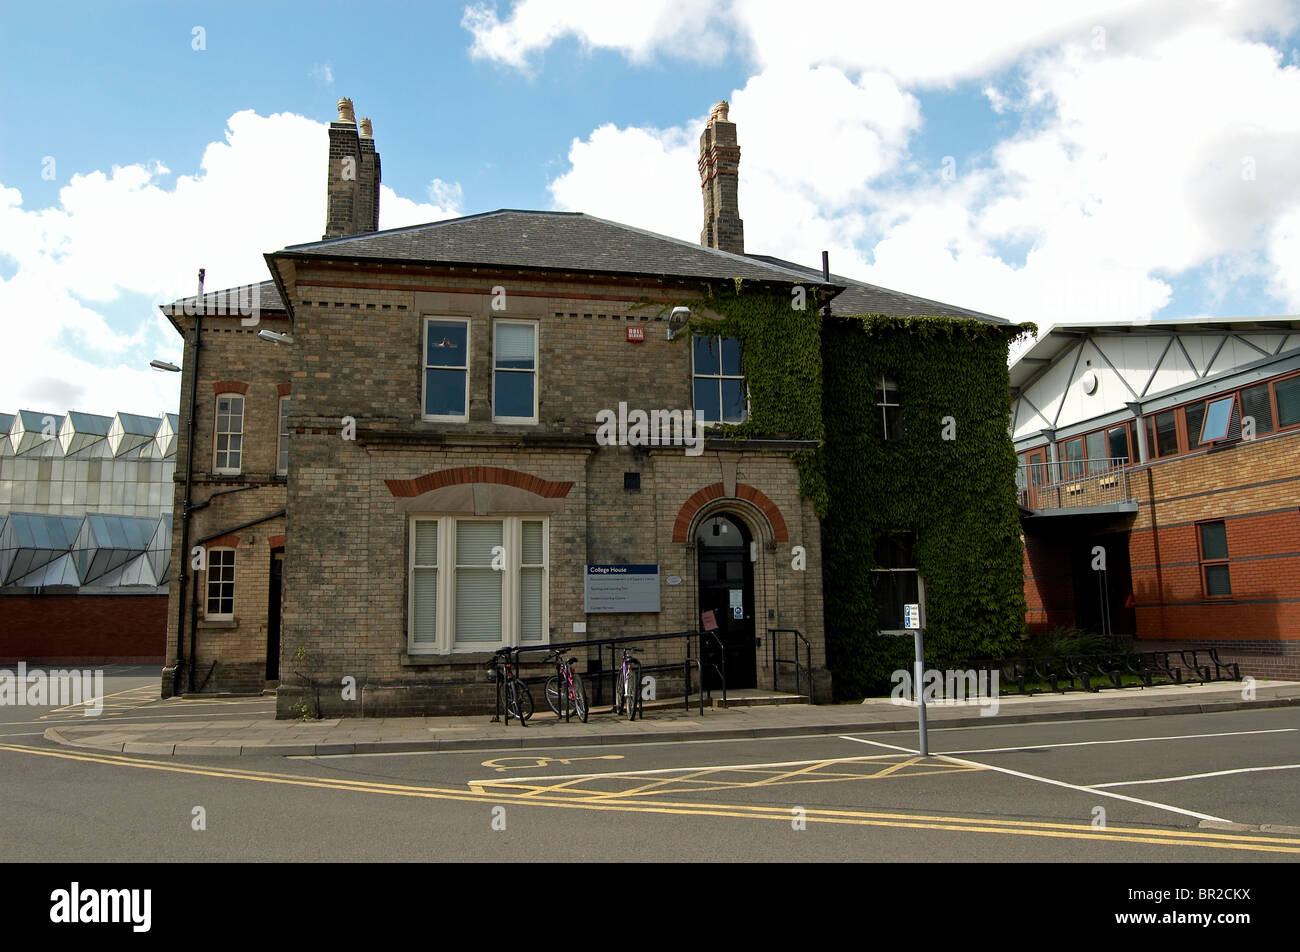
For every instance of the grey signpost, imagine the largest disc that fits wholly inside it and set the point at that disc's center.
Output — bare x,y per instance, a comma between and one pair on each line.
912,621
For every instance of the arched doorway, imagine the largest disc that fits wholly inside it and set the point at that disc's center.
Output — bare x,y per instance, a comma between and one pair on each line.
726,587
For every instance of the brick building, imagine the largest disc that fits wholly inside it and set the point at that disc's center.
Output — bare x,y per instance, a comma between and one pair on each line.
1175,449
398,466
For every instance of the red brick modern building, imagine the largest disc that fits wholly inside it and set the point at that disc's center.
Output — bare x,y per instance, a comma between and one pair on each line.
1160,484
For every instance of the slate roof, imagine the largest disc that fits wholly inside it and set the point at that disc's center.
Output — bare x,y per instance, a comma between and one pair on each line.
858,297
581,243
550,241
228,300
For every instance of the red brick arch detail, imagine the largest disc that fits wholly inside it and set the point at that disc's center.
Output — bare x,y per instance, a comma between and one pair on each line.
229,386
682,527
478,474
228,541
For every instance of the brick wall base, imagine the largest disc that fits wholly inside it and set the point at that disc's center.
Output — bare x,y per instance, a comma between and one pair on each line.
83,629
1265,660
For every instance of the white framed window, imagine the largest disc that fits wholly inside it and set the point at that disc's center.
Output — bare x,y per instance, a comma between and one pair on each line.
282,465
514,371
229,433
891,421
221,584
477,583
445,387
719,381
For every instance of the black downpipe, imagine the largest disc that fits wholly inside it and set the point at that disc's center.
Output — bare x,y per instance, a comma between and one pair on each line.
186,508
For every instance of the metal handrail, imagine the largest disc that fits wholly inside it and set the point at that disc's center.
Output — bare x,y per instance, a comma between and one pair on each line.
1073,483
799,669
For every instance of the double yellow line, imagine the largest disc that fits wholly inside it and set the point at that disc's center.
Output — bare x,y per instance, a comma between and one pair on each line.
960,824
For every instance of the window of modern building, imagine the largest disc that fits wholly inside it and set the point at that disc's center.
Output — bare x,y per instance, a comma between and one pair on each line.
1097,452
891,412
1163,433
477,584
282,465
895,581
221,584
1256,405
514,372
1214,559
230,432
719,380
446,370
1121,443
1216,419
1286,394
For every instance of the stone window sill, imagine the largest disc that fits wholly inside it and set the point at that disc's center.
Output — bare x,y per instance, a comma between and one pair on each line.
219,623
446,660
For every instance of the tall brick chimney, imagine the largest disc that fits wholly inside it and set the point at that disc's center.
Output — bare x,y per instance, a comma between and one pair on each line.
352,184
719,173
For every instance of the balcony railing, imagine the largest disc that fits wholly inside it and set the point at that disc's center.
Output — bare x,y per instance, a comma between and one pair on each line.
1073,484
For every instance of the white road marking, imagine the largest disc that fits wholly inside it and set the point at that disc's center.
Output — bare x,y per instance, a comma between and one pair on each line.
1124,740
1195,776
1049,780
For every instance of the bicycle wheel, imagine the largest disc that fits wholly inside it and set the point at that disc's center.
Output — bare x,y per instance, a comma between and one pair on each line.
519,701
553,694
580,698
620,692
633,689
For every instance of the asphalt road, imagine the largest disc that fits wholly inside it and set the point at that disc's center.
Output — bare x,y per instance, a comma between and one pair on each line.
999,793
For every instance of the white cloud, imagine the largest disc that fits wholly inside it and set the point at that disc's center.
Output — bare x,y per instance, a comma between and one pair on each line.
1130,161
920,43
446,195
138,233
637,30
323,72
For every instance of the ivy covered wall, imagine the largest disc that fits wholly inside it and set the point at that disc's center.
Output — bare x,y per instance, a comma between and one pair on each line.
957,494
815,378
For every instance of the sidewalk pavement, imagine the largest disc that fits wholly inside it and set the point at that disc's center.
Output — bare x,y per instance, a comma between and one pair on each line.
262,734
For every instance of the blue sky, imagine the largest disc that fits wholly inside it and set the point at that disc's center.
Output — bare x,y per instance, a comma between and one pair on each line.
1077,163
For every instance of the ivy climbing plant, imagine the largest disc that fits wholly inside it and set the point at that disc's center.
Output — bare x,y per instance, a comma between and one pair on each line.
949,477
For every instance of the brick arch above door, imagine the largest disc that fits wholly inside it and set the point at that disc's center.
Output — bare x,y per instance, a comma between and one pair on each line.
756,497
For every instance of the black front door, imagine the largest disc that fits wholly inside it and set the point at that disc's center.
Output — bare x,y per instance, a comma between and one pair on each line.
273,616
726,580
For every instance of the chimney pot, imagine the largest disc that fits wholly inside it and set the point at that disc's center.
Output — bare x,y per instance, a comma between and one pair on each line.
345,112
720,111
367,131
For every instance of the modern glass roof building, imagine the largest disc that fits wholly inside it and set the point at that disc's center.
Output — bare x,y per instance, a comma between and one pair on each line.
85,500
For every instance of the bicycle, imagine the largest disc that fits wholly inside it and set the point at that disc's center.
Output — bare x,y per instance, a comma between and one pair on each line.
566,674
627,686
518,699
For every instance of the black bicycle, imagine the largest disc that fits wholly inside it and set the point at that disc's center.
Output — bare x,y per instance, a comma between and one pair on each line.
518,699
627,685
567,680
